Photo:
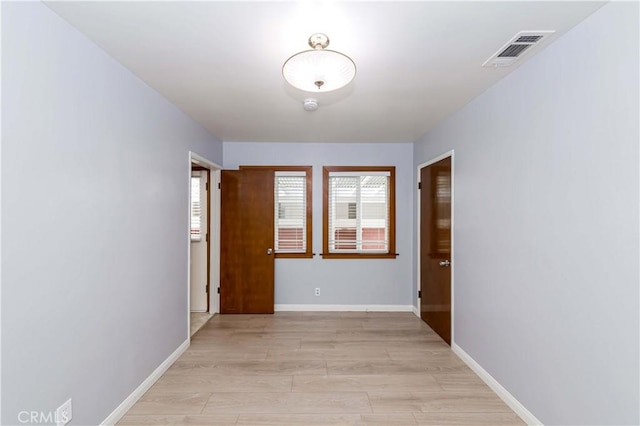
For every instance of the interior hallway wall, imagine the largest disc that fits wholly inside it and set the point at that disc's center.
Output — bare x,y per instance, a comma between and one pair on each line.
546,224
95,220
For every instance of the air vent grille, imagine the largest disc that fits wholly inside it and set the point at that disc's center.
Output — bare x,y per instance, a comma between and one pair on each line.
520,43
513,50
528,39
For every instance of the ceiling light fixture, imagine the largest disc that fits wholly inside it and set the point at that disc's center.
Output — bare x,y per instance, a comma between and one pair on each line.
319,69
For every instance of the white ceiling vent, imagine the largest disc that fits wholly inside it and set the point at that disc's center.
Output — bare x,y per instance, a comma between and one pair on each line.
520,43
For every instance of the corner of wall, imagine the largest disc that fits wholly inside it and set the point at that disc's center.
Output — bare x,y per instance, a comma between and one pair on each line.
1,322
129,401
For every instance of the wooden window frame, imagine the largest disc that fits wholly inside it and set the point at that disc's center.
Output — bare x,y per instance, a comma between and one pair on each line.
391,254
308,254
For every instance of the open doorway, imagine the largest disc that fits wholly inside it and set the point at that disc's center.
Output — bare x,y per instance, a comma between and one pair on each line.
200,265
204,242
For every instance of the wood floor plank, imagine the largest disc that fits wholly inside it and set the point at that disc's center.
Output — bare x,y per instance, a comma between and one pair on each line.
395,324
226,355
443,351
298,419
321,326
366,383
284,334
461,381
170,402
470,419
392,367
390,419
328,354
177,370
284,403
217,383
234,342
407,345
279,368
415,335
195,420
437,401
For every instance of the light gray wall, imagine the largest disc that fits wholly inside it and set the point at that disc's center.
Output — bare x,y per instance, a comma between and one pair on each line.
94,220
546,217
342,282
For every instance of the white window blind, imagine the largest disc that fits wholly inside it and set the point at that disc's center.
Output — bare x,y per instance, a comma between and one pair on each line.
196,209
290,212
358,212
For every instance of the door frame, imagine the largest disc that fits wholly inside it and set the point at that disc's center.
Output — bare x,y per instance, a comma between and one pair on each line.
214,235
418,231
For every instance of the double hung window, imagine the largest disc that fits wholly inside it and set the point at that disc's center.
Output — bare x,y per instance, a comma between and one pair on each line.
359,212
292,213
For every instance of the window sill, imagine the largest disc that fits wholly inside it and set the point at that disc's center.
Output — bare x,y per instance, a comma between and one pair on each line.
359,255
293,255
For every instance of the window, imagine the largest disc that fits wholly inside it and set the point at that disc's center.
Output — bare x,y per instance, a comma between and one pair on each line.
196,209
359,212
290,188
292,210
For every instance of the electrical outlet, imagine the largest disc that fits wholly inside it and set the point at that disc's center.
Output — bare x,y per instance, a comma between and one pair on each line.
64,413
317,291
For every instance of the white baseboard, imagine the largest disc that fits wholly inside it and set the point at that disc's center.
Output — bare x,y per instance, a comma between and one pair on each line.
504,394
415,311
119,412
343,308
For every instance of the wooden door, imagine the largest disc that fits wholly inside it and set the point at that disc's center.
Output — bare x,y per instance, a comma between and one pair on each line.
435,247
246,242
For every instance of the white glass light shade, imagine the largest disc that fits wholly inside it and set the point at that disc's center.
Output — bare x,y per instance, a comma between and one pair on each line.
319,70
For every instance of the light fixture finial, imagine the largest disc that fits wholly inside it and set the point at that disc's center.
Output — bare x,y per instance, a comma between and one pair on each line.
318,41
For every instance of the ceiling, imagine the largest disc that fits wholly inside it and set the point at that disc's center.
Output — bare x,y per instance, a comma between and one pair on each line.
221,62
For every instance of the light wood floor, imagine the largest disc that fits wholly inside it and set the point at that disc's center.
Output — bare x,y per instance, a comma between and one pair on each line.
198,319
319,369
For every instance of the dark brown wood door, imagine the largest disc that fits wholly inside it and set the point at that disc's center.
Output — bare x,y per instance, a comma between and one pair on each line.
435,247
246,242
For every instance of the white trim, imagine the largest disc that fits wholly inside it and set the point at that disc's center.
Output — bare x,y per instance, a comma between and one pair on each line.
202,161
126,405
415,311
453,243
453,263
214,229
343,308
435,160
292,173
0,238
504,394
359,174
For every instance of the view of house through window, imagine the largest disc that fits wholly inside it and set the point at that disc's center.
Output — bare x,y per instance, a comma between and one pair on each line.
291,212
359,211
196,211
